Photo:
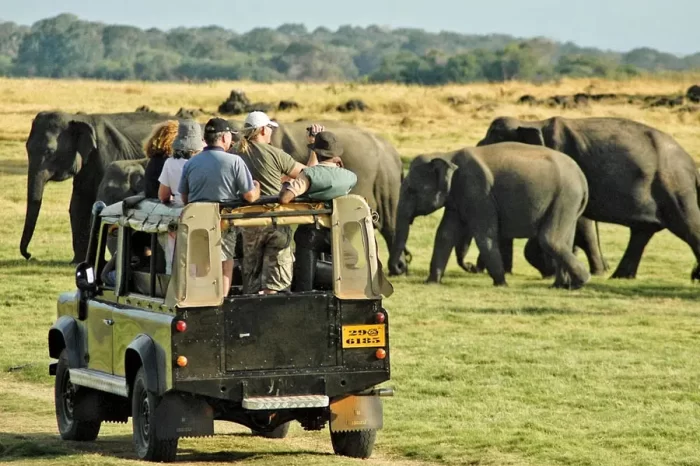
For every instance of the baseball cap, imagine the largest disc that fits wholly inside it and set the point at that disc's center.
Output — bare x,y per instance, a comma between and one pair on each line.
327,145
258,120
217,125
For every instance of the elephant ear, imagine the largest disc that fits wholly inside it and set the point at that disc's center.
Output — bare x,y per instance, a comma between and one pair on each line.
530,136
84,137
443,172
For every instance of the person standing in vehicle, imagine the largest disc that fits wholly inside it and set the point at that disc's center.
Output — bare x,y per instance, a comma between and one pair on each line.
214,175
158,149
322,182
187,143
267,251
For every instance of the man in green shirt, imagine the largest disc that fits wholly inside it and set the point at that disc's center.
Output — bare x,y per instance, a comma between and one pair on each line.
267,253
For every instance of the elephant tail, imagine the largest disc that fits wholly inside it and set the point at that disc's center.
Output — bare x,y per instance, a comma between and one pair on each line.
697,184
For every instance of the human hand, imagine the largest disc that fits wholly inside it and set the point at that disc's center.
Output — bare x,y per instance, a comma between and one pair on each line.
313,130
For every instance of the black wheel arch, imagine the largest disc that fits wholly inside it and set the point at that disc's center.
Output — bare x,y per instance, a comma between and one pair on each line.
144,352
66,334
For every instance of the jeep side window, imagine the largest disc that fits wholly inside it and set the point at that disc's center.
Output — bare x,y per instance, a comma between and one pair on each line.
146,265
105,267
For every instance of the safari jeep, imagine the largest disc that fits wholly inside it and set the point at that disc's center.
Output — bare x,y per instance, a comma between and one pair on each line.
175,353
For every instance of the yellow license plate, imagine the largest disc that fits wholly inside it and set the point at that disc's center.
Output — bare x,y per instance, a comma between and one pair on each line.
364,336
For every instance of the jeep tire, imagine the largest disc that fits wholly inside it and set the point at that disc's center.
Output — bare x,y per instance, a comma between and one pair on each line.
356,444
143,407
65,398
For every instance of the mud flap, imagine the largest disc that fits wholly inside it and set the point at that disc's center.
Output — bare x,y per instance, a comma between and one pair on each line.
180,416
354,413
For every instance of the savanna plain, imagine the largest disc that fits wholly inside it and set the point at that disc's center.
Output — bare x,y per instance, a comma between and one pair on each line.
523,375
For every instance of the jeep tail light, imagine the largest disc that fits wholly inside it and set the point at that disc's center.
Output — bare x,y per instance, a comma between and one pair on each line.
380,317
181,326
380,353
181,361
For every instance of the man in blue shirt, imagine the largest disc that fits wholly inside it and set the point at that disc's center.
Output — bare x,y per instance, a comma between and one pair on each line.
215,175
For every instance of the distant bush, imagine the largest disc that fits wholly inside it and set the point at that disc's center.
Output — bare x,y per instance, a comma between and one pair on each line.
65,46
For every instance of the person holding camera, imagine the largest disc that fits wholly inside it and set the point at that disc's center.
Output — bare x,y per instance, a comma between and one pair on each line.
267,253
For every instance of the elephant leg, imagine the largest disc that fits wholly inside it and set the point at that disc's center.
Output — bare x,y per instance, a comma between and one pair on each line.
684,222
506,248
461,250
587,239
445,240
556,237
639,238
484,224
505,245
80,214
536,257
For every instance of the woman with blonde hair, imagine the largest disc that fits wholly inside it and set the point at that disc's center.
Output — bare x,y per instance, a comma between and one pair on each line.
158,148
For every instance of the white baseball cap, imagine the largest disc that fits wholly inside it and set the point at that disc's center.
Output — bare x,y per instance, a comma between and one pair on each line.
258,120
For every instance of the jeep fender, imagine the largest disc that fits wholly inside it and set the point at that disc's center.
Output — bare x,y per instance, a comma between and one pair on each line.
143,351
65,334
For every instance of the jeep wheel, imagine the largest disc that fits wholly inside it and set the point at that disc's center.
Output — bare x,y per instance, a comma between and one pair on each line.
357,444
280,432
146,442
64,399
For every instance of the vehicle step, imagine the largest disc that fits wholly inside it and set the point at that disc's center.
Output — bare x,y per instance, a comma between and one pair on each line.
99,381
285,402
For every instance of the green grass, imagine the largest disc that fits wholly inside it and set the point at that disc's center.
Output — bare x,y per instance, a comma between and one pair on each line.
523,375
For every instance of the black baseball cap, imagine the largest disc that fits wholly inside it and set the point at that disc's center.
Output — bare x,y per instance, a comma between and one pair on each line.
218,125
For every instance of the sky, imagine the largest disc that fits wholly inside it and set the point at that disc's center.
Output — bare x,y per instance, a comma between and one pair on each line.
620,25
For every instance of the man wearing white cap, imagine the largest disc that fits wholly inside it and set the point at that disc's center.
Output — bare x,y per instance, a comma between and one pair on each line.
267,254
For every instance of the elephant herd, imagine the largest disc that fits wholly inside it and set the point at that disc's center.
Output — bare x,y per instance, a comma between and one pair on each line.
548,181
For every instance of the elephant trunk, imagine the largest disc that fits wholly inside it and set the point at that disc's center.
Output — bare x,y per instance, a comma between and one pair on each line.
35,190
404,218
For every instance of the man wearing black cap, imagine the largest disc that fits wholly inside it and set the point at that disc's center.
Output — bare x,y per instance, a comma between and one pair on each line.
322,182
214,175
326,180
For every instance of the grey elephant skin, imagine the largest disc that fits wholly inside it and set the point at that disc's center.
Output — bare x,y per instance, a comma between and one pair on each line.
638,176
495,193
586,236
79,146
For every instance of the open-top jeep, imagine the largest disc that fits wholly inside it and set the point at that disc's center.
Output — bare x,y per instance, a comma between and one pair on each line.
175,352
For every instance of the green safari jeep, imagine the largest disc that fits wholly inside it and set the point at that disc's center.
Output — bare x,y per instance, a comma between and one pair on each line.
163,344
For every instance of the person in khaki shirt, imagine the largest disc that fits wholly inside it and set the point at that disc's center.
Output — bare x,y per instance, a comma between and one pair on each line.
322,182
267,252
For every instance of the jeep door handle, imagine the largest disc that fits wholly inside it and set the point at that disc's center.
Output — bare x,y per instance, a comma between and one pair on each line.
108,321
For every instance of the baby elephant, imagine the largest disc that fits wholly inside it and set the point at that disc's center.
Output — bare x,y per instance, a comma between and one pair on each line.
502,191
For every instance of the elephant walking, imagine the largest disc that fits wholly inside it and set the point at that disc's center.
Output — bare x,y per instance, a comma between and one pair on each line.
586,236
62,145
498,193
638,176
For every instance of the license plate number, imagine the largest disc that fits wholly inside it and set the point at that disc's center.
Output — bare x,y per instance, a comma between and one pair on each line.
364,336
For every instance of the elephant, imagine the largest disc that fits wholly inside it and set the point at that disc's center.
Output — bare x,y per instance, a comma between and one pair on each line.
62,145
586,236
497,193
122,179
638,176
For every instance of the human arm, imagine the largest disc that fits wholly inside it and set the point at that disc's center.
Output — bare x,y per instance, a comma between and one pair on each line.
254,194
286,196
184,186
313,130
164,193
295,188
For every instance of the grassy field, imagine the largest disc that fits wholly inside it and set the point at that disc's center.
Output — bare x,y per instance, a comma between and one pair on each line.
525,375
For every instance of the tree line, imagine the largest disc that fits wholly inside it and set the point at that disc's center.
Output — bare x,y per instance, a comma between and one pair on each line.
67,47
